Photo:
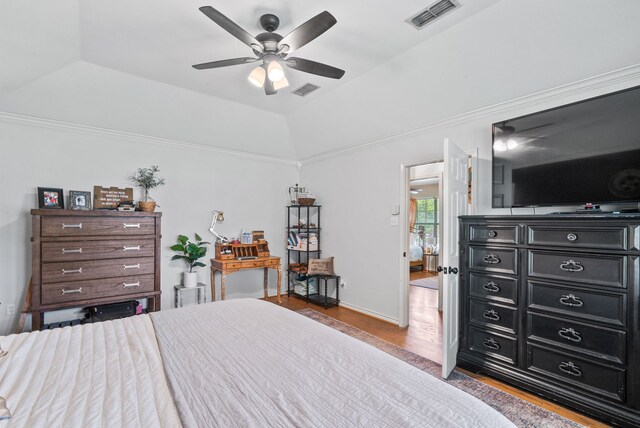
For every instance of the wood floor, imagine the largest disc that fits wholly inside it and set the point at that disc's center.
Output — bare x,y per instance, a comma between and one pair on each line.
423,337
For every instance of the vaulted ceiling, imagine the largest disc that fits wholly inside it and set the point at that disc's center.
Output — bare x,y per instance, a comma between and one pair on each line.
126,65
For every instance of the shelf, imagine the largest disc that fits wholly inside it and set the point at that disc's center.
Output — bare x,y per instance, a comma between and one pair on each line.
304,206
303,228
303,251
317,299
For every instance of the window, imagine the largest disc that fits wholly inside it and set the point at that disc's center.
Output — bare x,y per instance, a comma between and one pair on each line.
428,217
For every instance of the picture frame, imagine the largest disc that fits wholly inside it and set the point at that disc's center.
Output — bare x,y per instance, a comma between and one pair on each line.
50,198
80,200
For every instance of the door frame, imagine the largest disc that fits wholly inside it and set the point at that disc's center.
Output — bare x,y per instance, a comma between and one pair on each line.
403,298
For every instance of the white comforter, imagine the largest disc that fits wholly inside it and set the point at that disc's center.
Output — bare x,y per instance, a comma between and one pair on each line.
249,363
106,374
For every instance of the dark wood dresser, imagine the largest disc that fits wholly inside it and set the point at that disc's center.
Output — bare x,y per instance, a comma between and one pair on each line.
83,258
550,304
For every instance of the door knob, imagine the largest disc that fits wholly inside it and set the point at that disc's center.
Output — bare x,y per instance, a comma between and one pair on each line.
453,270
439,269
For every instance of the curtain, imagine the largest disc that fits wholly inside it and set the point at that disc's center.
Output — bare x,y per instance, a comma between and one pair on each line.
413,209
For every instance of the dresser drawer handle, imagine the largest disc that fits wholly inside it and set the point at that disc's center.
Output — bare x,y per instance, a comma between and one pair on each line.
572,237
132,284
132,266
132,225
74,291
570,334
72,226
135,248
571,266
492,234
491,259
491,344
571,300
491,286
71,251
570,368
491,315
64,271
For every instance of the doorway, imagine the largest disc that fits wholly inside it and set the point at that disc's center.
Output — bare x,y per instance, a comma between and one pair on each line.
425,232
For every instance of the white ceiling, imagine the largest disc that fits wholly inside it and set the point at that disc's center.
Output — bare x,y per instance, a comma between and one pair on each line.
160,40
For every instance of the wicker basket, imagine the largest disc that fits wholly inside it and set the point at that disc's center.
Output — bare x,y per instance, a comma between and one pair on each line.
147,207
306,201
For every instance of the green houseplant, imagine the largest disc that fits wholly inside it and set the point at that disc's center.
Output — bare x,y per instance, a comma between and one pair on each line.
147,179
190,252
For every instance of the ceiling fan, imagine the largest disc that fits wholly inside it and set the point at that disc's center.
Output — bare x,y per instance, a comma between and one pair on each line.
506,131
273,49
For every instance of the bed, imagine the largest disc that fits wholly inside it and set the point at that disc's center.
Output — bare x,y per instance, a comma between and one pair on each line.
416,257
236,363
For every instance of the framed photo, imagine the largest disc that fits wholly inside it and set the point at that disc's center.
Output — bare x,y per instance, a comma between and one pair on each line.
80,200
50,198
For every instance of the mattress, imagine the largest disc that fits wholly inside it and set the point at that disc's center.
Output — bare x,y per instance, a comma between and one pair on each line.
107,374
250,363
415,253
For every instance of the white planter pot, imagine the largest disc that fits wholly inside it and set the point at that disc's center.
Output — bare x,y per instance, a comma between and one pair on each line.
190,279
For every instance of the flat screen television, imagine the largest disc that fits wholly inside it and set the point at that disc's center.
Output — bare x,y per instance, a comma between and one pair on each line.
580,153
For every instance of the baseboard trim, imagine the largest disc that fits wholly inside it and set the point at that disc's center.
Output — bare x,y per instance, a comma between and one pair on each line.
369,312
139,138
630,75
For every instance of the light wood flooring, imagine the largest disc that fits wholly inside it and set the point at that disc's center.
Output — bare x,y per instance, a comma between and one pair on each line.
423,337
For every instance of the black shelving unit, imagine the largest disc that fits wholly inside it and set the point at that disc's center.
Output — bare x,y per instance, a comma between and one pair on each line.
310,214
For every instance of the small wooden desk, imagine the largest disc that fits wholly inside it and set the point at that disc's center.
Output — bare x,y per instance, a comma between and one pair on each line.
228,266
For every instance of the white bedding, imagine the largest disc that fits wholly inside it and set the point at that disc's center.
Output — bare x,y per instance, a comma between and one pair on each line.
249,363
415,253
106,374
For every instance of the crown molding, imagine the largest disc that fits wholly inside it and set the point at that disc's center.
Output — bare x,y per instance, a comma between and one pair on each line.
630,74
139,138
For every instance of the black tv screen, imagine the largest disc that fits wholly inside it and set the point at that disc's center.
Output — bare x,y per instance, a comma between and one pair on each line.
585,152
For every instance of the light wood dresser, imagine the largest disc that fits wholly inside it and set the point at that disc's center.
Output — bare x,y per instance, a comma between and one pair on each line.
85,258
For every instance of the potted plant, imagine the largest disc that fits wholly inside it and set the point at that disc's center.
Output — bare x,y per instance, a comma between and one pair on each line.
147,179
190,252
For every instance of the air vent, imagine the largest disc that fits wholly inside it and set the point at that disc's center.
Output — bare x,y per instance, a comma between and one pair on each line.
306,89
432,13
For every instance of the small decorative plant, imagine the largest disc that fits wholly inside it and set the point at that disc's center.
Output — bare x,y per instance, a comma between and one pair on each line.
191,251
147,179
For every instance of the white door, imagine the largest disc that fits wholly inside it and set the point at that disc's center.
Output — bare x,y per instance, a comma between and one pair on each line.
454,204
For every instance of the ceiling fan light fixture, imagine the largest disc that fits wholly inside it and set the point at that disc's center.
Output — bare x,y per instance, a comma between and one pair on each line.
282,83
275,71
257,76
499,146
511,144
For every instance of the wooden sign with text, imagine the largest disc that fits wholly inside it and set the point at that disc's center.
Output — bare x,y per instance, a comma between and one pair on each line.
110,197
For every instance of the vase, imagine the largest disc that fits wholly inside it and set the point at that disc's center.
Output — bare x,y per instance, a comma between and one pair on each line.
190,279
148,207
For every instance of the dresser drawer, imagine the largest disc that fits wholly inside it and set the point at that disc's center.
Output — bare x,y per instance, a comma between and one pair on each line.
574,302
586,269
96,288
498,346
494,234
605,238
93,250
493,315
493,287
598,342
501,260
93,269
97,226
605,381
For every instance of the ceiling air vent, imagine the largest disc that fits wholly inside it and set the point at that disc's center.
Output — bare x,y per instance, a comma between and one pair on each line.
306,89
432,13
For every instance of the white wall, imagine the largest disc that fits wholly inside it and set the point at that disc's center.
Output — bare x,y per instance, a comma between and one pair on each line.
252,193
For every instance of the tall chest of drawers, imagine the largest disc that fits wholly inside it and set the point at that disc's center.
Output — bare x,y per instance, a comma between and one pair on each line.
551,304
84,258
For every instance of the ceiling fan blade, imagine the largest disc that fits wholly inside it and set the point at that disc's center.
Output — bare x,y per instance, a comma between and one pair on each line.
313,67
224,63
536,127
233,28
268,87
307,32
